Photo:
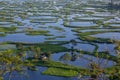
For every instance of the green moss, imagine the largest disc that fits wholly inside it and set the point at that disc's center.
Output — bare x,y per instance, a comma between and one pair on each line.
60,72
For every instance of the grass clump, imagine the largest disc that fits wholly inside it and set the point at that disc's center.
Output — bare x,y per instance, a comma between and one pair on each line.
60,72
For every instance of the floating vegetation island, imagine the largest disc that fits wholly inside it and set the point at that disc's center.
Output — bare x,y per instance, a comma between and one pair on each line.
59,40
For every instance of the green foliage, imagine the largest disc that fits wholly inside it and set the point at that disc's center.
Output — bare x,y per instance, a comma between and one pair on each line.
9,62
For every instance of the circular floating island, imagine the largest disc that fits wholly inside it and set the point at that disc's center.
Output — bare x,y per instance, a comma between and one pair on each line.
81,24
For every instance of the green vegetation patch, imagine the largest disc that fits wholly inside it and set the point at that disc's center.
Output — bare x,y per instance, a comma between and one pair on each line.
44,47
7,29
58,66
39,32
86,36
94,39
60,72
52,47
